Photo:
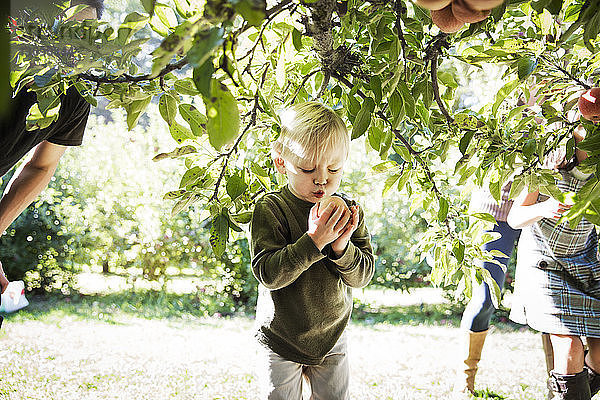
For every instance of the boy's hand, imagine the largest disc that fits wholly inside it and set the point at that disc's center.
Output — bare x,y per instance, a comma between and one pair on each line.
327,227
339,245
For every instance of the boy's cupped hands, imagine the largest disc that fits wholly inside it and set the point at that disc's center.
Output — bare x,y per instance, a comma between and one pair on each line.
333,225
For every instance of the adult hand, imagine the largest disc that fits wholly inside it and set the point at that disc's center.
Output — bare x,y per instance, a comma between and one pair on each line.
328,226
3,280
553,208
339,245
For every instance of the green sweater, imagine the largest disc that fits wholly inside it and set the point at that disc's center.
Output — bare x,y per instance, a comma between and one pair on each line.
305,296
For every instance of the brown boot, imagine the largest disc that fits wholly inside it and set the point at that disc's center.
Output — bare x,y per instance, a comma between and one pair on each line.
465,380
549,354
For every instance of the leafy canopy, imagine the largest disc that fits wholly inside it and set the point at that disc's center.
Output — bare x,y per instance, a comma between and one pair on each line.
222,69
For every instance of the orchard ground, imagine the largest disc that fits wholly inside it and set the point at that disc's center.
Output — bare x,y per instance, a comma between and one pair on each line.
402,346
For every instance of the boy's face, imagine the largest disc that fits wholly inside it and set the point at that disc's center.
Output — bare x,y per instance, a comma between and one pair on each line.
313,180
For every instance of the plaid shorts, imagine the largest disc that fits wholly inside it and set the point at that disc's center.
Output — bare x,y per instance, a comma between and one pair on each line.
558,295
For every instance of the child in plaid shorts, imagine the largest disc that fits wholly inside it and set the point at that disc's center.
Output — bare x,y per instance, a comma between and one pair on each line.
557,287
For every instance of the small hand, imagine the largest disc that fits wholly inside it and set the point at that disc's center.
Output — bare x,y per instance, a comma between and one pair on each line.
339,245
328,226
553,208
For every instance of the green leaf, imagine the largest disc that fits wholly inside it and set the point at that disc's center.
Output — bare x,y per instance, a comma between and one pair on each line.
191,176
463,145
363,118
166,14
194,118
466,121
135,110
179,132
223,115
148,6
407,100
443,210
167,106
236,186
458,249
178,152
396,108
219,233
204,43
375,85
174,194
253,11
389,182
243,217
485,217
202,76
297,39
186,86
525,67
375,136
447,79
503,94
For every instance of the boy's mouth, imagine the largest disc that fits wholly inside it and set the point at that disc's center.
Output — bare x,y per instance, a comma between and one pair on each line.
319,193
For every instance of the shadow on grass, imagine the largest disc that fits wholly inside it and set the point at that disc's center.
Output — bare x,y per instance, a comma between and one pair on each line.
152,304
111,307
418,314
443,314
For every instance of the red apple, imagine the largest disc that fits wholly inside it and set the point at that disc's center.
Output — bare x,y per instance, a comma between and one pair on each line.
445,20
589,104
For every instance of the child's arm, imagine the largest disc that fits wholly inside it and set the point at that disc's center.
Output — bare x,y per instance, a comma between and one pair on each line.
356,263
275,262
526,210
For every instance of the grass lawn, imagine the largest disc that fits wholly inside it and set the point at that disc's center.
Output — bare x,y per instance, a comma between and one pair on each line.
111,347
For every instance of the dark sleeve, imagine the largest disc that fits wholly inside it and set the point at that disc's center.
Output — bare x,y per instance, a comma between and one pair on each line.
72,119
275,262
357,265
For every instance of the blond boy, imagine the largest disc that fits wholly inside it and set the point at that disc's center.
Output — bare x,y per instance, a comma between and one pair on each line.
306,264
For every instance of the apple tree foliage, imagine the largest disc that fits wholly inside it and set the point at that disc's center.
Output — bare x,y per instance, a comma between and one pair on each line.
222,70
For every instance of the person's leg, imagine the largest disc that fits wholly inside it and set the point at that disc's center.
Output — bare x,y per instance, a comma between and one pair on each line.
330,380
480,309
568,353
478,313
568,379
281,379
549,355
592,364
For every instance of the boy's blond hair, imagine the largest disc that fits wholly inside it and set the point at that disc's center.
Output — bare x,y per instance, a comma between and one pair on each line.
309,130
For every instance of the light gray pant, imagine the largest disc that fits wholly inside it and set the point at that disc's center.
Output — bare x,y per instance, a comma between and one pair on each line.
282,379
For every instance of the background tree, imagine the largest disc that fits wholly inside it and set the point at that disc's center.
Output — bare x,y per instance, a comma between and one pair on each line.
223,68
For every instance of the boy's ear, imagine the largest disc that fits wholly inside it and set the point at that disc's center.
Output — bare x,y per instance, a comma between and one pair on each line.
279,164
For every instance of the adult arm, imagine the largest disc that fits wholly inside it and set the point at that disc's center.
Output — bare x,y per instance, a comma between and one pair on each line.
3,281
275,262
526,210
29,181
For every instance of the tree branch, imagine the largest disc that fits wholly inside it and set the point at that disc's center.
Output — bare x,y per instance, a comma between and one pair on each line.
436,90
129,78
234,148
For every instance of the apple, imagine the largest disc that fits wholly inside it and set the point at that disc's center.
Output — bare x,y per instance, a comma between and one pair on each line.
337,202
481,5
445,20
589,104
432,4
464,13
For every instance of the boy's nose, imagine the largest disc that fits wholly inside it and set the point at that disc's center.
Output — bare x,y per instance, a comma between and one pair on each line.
320,180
